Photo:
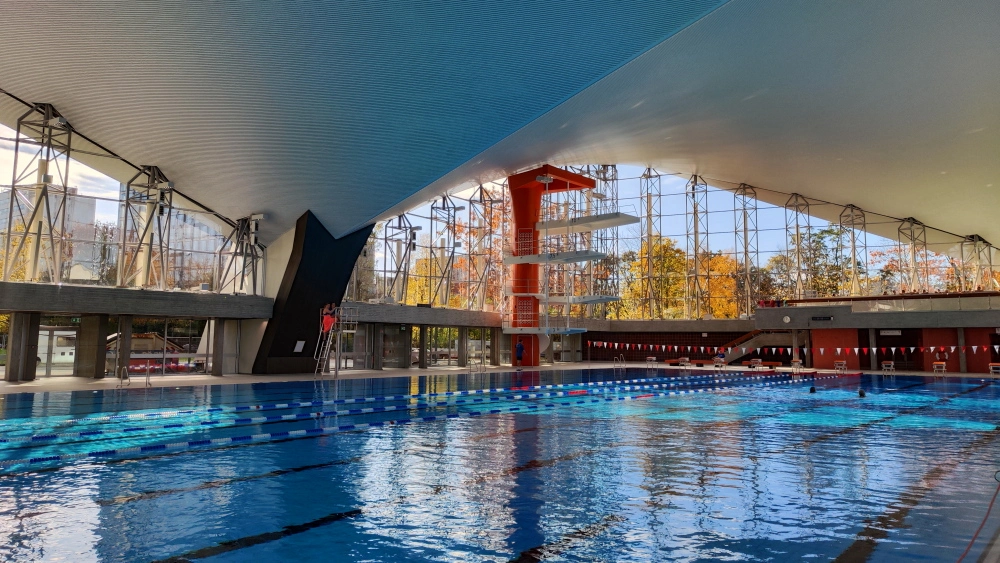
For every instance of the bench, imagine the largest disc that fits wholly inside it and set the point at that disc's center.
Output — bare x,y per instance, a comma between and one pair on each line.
939,367
759,364
994,369
888,367
840,366
650,362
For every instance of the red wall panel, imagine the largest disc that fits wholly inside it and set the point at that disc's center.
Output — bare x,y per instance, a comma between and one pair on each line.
830,339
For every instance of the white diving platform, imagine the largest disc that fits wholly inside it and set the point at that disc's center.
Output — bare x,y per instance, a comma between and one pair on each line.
587,223
556,257
543,330
580,299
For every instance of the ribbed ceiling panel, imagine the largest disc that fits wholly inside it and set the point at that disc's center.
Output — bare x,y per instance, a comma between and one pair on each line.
344,108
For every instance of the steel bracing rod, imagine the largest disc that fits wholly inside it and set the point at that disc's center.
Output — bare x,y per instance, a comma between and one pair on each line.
481,239
913,255
745,210
240,245
853,249
977,251
399,242
699,274
155,195
445,214
54,138
798,232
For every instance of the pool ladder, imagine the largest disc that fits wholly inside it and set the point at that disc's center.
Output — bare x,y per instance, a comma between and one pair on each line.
619,364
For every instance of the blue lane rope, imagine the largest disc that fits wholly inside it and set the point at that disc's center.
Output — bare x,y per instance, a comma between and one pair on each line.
292,434
229,423
292,405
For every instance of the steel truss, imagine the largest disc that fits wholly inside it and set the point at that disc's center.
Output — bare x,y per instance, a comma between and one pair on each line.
603,275
36,216
653,286
699,257
853,250
145,234
745,211
242,255
912,238
399,241
798,236
977,265
484,208
443,224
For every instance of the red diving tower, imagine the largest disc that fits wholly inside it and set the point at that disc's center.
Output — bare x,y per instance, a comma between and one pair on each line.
529,251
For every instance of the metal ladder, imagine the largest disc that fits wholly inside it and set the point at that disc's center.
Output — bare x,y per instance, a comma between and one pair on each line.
329,343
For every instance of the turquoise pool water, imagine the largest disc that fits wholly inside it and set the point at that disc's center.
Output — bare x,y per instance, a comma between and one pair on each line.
549,466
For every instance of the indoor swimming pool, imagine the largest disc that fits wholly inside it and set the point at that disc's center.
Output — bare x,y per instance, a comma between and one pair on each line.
576,465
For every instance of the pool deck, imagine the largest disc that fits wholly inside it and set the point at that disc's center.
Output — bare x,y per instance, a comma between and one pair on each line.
71,383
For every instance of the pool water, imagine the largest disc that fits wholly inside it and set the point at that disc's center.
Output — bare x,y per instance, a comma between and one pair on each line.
583,465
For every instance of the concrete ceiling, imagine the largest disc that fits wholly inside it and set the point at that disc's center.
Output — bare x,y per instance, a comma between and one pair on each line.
360,110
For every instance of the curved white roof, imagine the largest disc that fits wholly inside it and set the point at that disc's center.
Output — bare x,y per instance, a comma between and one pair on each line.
356,110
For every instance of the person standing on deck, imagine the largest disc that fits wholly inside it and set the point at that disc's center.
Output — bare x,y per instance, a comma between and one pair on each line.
519,353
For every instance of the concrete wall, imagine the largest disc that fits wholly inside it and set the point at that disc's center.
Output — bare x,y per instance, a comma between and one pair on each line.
408,314
830,340
842,317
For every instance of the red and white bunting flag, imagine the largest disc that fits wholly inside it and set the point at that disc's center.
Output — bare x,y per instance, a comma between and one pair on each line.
893,348
883,350
912,349
855,351
689,348
865,350
702,349
588,343
822,351
986,348
616,345
838,351
744,350
996,349
963,349
974,348
758,350
952,349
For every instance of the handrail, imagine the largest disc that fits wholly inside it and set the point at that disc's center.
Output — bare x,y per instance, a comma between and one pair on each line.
742,339
123,376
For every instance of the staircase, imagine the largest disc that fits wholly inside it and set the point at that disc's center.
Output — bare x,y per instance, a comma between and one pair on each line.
756,339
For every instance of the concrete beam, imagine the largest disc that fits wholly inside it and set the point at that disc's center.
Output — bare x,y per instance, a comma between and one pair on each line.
88,300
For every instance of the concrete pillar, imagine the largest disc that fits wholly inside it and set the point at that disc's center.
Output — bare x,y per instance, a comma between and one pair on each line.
91,347
124,345
795,345
378,345
962,365
871,348
463,346
218,346
22,346
495,336
808,344
407,347
422,343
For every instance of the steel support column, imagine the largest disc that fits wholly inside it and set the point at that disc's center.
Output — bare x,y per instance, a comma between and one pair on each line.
745,211
698,254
